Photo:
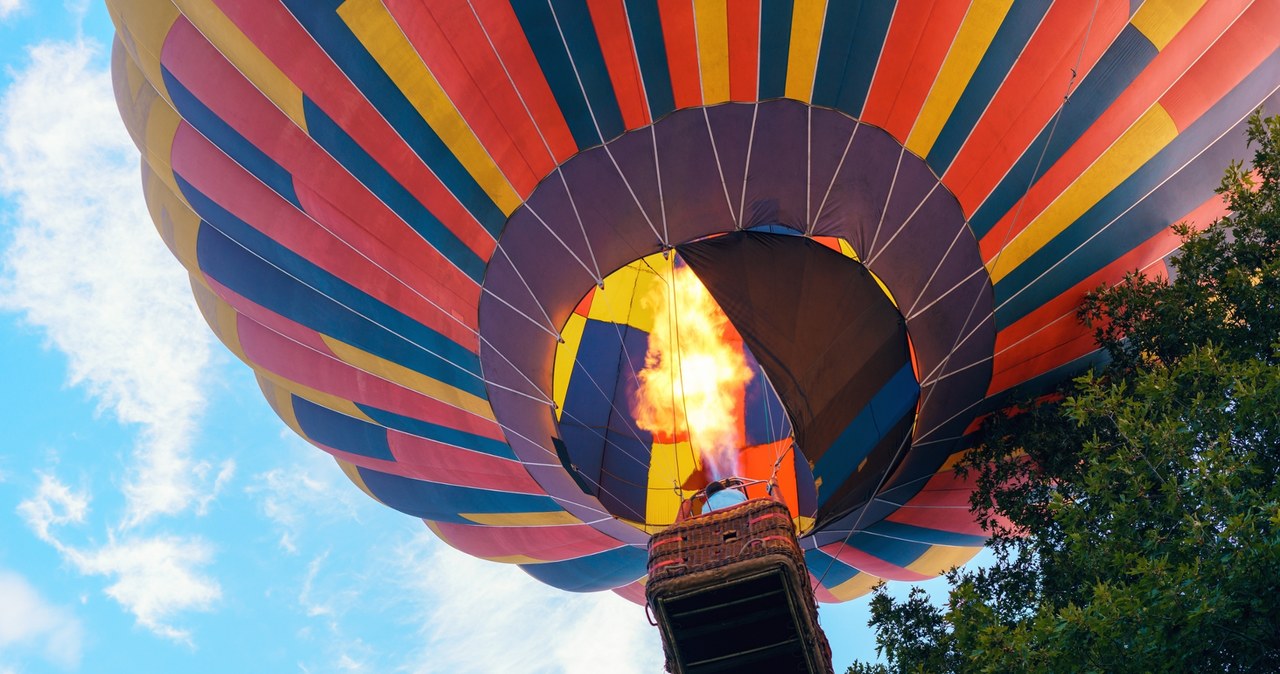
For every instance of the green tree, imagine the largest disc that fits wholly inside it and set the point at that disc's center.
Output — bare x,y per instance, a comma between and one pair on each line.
1135,517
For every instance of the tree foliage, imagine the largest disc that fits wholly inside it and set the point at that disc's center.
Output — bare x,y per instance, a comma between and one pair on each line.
1135,517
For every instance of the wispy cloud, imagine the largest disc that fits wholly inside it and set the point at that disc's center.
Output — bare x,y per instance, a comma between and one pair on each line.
29,621
478,616
309,489
155,578
9,7
85,269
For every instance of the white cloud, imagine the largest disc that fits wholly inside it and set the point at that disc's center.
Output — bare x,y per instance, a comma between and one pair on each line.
54,503
9,7
479,616
87,270
310,489
28,621
153,577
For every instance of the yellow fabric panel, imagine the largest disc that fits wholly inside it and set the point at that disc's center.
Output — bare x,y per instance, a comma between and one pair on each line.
223,34
503,559
847,250
281,401
151,122
177,223
1160,20
855,587
1151,133
566,355
807,18
624,297
410,379
381,35
940,558
712,19
220,317
545,519
335,403
133,76
976,32
228,327
349,469
142,26
670,465
803,524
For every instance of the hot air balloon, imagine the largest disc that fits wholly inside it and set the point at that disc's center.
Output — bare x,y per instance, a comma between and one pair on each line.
453,238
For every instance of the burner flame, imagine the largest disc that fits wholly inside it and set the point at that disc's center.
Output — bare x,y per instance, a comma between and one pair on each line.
695,374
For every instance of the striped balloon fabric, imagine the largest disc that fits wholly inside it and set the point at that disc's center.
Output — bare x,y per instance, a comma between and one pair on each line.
441,233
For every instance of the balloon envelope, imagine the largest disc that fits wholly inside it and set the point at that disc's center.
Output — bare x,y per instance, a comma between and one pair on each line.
429,228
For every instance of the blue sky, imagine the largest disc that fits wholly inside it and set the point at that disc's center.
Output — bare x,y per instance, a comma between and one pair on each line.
154,515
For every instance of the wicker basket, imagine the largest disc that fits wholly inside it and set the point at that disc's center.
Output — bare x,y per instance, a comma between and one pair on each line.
731,592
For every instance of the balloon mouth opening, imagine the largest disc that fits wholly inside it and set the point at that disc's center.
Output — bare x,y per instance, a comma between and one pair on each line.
657,391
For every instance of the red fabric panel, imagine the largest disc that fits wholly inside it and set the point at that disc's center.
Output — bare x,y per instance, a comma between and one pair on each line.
744,49
486,99
917,43
944,491
295,362
274,31
1180,54
425,459
270,319
361,220
549,544
449,466
1031,94
203,165
610,20
821,593
1051,335
633,592
871,564
1246,44
954,520
500,31
681,36
757,463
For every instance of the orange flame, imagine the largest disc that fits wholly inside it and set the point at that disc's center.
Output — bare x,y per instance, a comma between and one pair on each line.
695,374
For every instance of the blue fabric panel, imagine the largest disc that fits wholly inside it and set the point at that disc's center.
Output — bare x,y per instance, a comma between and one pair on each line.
651,55
443,502
766,420
625,468
584,46
438,433
775,47
336,142
231,143
925,535
1124,60
578,102
597,427
1172,200
900,553
1010,39
593,573
852,38
832,571
340,431
584,423
321,19
253,265
891,403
